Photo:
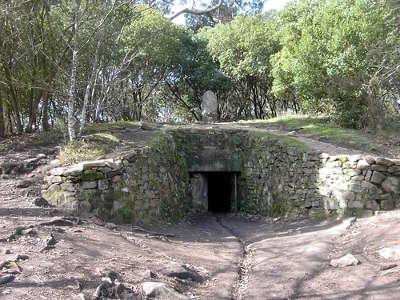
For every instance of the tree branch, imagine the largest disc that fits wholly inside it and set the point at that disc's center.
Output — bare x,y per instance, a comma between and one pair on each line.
195,11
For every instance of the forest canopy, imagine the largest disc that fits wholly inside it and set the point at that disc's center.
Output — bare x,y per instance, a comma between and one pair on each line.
68,63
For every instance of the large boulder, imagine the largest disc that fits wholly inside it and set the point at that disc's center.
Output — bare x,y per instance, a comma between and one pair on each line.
390,252
161,291
344,261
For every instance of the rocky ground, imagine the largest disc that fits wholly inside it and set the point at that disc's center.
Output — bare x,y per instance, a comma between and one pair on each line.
47,254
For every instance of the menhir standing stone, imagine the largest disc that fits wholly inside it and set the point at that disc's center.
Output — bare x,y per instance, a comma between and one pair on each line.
209,106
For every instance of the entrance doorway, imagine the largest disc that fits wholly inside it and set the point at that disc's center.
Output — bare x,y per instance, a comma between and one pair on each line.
216,192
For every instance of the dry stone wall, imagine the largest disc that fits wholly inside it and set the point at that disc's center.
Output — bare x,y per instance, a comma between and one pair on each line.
145,185
276,177
279,180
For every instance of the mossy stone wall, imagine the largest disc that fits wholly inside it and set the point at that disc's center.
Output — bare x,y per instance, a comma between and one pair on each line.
277,177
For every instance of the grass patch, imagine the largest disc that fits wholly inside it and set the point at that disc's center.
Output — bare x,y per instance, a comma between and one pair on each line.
100,127
90,147
291,121
299,145
322,128
52,137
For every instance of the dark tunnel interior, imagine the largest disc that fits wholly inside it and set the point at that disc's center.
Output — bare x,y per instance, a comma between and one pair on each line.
220,190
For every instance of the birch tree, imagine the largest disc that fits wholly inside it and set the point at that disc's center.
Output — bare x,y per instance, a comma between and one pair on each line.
74,66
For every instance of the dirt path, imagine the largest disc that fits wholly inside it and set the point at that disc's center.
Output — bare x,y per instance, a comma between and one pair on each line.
239,257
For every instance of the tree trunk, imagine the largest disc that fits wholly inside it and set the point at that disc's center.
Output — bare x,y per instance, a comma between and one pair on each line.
13,99
74,65
45,111
6,119
92,75
2,131
33,103
375,115
46,93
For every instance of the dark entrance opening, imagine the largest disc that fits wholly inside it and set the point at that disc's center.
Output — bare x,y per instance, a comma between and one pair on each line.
222,192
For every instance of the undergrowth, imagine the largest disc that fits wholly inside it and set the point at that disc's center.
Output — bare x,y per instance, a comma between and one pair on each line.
89,147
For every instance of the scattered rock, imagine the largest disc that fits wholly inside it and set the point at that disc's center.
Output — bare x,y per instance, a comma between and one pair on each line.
104,290
351,222
182,272
147,274
24,184
6,279
29,231
390,252
55,163
62,221
152,234
161,291
110,226
6,292
387,267
147,126
10,267
18,231
41,202
29,191
344,261
50,242
59,230
123,292
21,257
107,273
111,287
7,251
392,271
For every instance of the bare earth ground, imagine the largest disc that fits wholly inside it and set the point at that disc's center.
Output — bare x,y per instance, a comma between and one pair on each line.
238,257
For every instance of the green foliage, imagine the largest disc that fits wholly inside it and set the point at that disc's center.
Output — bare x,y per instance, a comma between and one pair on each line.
331,50
243,49
339,57
101,127
151,37
323,128
90,147
194,72
278,209
243,46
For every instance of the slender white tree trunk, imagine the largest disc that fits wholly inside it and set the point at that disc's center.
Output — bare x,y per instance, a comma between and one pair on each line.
92,75
74,65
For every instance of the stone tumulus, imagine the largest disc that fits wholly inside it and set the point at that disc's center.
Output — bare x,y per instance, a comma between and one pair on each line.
160,182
